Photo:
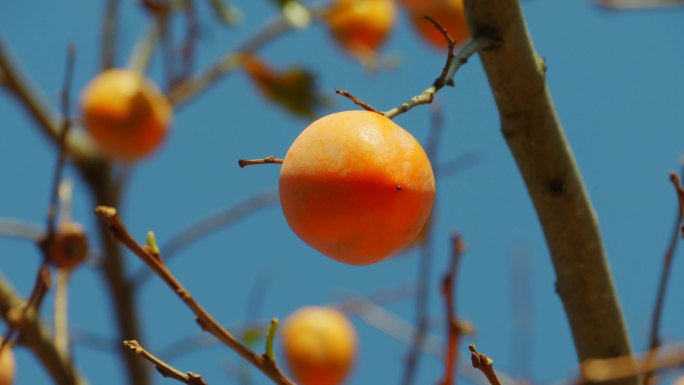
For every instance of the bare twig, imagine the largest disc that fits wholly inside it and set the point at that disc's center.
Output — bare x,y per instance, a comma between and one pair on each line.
484,364
206,226
611,369
163,368
451,66
144,48
61,311
533,132
398,328
424,271
61,151
453,326
36,337
204,319
656,316
10,227
267,160
39,110
357,101
186,90
110,22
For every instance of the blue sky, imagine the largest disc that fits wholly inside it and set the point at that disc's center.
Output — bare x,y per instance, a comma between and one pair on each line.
618,85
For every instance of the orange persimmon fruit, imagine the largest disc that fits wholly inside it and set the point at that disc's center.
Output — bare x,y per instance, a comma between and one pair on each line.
361,26
125,113
319,345
448,13
356,187
7,366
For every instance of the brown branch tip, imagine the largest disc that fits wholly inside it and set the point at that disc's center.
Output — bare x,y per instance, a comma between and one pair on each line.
484,364
267,160
450,40
357,101
674,178
162,367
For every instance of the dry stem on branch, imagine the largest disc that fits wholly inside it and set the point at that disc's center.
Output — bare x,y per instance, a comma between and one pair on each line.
204,319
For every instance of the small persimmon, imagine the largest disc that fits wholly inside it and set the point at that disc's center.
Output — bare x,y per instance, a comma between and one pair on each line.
450,14
7,366
356,187
68,246
125,113
319,345
361,26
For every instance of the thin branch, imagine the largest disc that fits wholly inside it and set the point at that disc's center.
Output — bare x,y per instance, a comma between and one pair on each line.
276,27
267,160
665,273
208,225
422,298
204,319
106,189
144,48
10,227
611,369
61,150
163,368
36,337
398,328
484,364
77,147
534,134
357,101
451,66
62,311
453,328
109,34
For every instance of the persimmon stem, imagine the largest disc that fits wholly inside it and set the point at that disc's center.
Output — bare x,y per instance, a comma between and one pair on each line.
249,162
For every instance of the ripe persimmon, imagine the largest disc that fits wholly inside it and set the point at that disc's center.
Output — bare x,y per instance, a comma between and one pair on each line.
125,113
361,26
356,187
68,247
319,344
448,13
7,366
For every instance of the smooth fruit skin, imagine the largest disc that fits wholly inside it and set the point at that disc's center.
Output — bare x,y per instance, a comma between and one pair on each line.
361,26
449,13
125,113
7,366
356,187
319,345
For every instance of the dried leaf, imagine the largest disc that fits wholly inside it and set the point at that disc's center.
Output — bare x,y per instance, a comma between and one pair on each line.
293,89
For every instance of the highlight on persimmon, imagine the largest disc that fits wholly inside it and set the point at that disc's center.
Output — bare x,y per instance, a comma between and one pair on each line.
125,113
356,187
319,345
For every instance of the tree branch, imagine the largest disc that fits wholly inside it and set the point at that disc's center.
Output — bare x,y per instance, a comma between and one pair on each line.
535,136
77,147
162,367
35,336
204,319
